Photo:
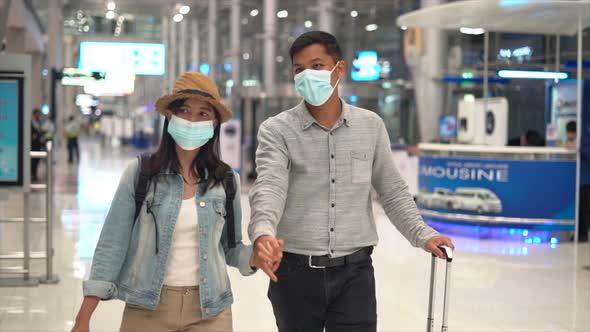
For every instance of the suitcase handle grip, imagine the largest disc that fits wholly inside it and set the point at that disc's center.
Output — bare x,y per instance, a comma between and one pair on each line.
447,251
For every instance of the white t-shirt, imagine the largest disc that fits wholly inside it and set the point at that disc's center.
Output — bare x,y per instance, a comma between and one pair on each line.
183,259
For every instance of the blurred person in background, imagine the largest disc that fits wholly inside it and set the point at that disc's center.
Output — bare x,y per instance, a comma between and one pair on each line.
584,207
71,132
37,142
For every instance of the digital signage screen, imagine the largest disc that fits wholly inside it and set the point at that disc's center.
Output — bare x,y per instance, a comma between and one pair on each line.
11,127
139,58
448,127
365,66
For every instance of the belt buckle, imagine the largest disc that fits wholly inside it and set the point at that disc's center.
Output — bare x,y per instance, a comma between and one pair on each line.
313,266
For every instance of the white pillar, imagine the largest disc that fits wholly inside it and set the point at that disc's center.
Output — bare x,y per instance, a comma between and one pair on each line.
427,74
173,53
182,48
4,9
55,61
195,44
36,80
235,43
212,40
166,42
325,17
270,35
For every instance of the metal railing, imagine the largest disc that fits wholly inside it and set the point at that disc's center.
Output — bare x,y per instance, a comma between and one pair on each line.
27,255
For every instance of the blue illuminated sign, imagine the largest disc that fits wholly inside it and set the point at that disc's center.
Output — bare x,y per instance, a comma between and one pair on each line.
365,67
204,68
517,189
139,58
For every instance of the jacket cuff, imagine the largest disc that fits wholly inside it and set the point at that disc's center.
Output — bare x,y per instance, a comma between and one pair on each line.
244,261
102,289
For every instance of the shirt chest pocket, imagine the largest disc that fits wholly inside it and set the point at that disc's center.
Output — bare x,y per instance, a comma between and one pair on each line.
361,166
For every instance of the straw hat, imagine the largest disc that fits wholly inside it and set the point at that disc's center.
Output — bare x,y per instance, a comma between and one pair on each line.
195,85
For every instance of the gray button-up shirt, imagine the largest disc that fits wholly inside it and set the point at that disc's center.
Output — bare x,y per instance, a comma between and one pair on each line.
314,184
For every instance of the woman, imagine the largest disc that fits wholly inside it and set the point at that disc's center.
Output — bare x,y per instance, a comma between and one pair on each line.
169,264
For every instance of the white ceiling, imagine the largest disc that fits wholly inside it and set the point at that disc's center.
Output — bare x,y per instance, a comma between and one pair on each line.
519,16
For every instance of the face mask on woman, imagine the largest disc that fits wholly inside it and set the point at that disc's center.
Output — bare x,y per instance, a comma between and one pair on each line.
190,135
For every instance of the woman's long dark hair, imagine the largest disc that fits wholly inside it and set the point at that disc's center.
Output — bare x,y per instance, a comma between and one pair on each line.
208,158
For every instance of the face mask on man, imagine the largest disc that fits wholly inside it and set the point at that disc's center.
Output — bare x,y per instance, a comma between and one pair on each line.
315,86
190,135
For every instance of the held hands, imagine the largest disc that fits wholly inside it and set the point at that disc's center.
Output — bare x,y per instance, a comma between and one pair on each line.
432,245
267,255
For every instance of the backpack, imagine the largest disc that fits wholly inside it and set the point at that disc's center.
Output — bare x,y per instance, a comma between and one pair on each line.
145,176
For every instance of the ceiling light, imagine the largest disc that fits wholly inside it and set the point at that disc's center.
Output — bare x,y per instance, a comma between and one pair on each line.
403,27
184,10
111,5
371,27
533,74
283,14
110,15
308,24
280,58
354,13
178,18
254,12
246,56
472,31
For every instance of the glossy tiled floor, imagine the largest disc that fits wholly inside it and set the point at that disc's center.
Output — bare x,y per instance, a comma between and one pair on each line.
542,289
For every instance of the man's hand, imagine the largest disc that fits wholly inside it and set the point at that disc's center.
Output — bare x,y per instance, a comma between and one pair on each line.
432,245
267,255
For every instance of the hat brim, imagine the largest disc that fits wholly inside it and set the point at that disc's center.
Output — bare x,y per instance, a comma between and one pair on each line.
163,103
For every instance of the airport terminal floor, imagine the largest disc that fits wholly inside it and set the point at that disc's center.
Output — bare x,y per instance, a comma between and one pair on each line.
493,289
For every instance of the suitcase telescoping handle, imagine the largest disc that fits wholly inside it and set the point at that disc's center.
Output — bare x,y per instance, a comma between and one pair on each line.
430,322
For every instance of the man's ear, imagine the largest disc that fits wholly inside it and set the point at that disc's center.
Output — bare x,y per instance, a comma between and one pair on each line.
342,69
168,115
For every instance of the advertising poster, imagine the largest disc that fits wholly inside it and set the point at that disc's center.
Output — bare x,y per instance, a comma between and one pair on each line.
523,189
10,136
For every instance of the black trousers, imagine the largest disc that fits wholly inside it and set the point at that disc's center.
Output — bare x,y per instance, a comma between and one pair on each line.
339,299
584,213
73,149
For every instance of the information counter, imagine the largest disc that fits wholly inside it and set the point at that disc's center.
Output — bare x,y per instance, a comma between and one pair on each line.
508,187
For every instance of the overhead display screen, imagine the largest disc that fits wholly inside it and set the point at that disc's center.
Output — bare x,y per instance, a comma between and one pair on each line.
365,66
11,136
139,58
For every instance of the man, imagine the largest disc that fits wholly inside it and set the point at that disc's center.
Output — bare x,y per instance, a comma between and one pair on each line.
72,130
316,165
584,208
37,142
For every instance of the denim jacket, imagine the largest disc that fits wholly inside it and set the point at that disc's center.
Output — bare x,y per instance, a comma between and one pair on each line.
128,265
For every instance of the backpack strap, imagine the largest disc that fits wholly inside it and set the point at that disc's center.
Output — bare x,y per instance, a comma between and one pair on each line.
143,179
230,194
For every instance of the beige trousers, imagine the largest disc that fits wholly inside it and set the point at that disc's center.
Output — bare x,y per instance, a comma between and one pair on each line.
179,310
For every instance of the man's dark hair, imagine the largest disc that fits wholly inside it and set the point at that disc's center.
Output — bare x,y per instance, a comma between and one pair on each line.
571,127
317,37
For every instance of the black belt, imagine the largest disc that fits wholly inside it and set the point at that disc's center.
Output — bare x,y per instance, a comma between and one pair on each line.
322,262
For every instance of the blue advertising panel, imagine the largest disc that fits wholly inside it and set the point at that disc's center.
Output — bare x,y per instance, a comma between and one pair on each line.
138,58
11,140
514,189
